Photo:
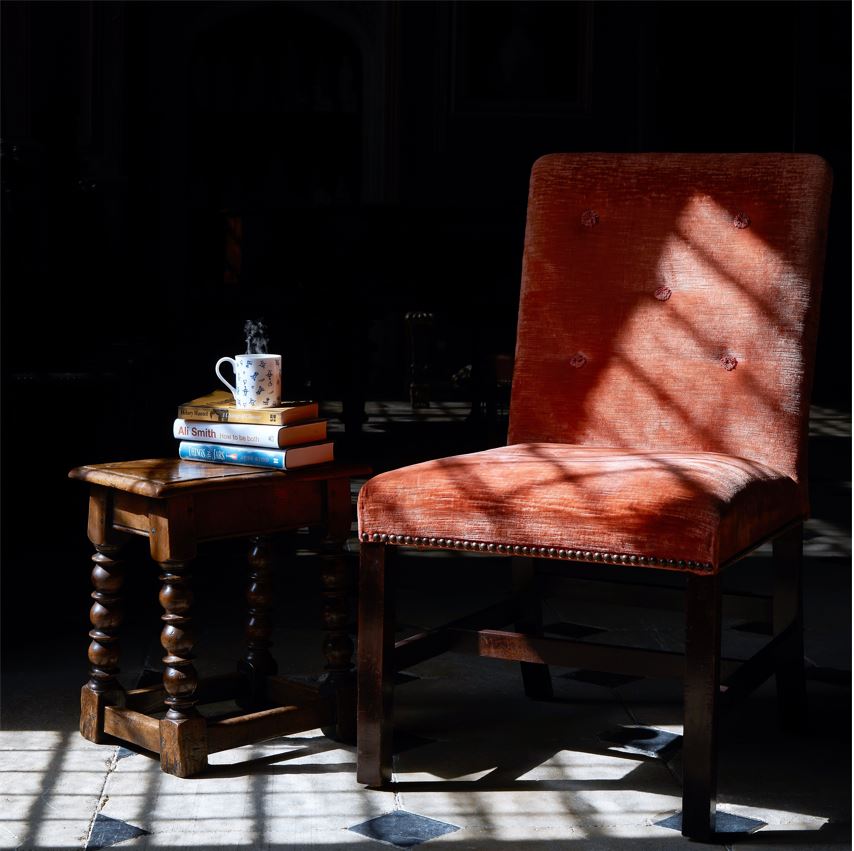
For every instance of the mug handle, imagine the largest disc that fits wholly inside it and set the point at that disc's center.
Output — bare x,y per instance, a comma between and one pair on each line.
219,374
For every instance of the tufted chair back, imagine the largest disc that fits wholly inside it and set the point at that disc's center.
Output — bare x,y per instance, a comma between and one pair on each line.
670,301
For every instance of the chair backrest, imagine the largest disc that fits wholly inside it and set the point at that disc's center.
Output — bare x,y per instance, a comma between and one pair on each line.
671,301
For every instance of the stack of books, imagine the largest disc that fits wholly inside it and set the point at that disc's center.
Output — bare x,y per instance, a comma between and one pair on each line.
211,428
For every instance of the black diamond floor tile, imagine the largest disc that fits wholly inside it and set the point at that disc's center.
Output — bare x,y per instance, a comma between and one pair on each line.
565,629
600,678
107,832
725,823
402,678
646,741
403,829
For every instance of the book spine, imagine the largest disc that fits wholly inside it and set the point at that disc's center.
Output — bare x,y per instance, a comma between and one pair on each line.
232,455
226,415
197,412
247,416
244,435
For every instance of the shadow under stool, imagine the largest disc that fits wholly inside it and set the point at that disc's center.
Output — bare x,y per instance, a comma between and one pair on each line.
177,504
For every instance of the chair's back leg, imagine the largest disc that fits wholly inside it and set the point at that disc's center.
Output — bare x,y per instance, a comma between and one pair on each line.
788,617
375,665
702,684
536,679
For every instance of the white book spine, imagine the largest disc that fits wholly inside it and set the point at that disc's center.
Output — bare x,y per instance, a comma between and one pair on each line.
265,436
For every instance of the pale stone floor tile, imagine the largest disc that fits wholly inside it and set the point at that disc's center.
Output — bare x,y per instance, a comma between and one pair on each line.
293,791
538,838
50,783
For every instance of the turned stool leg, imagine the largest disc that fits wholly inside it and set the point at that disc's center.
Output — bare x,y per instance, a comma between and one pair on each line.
339,679
258,663
183,732
106,616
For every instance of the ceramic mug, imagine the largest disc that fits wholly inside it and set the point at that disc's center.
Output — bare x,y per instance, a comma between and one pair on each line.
257,380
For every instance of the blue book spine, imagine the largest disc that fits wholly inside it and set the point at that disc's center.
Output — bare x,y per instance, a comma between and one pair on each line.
223,454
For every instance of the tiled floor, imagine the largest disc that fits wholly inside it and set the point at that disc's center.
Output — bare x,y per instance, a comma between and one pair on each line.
477,765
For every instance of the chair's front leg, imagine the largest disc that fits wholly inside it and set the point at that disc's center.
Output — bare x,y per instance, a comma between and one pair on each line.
702,685
375,664
788,618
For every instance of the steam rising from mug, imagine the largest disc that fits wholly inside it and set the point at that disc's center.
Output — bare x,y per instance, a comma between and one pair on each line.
256,336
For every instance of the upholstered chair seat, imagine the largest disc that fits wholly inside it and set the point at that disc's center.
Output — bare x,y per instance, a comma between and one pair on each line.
681,510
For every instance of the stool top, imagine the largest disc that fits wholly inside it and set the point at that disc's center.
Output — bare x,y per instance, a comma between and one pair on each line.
161,477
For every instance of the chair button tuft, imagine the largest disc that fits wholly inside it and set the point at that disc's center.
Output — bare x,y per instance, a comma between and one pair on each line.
577,360
741,220
729,362
663,293
590,218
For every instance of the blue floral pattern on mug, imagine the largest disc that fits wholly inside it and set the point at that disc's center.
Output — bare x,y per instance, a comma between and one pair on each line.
258,381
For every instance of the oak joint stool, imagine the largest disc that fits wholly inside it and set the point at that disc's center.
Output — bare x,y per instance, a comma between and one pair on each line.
177,504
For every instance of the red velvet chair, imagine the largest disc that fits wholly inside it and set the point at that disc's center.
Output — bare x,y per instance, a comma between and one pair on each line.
658,419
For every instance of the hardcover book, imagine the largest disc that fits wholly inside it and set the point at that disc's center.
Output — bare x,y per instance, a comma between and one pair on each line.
280,459
243,434
219,407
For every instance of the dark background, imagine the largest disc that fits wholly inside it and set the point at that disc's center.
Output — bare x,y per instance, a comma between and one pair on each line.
373,159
